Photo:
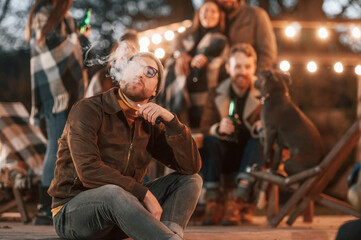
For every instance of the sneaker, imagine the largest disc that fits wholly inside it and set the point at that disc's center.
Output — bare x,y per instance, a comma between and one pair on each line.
232,215
213,213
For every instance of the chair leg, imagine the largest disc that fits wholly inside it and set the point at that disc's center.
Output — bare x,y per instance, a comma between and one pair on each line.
273,203
308,213
295,198
21,206
299,209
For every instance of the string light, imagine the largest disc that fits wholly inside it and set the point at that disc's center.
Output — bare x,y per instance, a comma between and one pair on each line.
338,67
312,66
290,31
159,52
144,42
322,33
156,38
358,70
356,33
169,35
285,66
181,29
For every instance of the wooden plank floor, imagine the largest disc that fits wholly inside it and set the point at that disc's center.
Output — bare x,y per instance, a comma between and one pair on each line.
323,228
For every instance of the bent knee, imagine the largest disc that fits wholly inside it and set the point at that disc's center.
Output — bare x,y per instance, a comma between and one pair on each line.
195,181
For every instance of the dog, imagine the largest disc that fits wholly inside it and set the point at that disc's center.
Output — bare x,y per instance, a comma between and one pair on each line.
285,124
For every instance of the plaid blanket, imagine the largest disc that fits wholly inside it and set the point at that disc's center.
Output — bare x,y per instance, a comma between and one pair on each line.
57,74
22,146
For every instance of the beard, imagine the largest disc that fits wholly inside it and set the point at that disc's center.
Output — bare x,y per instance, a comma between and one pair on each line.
134,93
242,81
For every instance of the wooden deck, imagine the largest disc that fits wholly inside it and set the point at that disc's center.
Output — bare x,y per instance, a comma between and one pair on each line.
323,227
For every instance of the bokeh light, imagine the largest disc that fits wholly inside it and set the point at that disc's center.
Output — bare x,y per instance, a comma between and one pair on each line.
159,52
290,31
358,70
322,33
144,42
181,29
156,38
338,67
356,33
169,35
312,66
285,66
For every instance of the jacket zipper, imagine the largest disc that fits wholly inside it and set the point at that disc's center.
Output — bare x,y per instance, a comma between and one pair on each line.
129,151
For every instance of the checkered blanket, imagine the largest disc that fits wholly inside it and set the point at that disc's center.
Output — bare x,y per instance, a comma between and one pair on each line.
22,145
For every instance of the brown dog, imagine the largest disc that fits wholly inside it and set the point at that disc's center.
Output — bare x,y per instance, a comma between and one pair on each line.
285,124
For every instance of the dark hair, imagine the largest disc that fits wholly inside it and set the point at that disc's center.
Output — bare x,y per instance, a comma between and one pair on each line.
61,7
245,48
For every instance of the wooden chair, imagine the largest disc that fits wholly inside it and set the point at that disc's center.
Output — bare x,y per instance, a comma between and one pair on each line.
311,183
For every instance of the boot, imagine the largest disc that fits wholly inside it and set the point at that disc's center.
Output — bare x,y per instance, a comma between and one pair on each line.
213,213
43,214
232,214
247,213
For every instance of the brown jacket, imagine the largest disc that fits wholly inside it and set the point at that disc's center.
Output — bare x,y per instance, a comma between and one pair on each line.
251,24
97,148
218,105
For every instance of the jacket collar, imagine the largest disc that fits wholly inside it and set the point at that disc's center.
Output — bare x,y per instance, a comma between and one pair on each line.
110,101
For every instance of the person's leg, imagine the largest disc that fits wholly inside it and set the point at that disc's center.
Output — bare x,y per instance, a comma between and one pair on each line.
245,182
211,164
55,124
178,195
102,212
211,171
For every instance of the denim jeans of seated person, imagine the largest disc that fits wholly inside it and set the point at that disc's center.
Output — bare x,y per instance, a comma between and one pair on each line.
110,212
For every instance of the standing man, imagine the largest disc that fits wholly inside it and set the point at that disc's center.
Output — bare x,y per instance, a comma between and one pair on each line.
250,24
104,152
230,123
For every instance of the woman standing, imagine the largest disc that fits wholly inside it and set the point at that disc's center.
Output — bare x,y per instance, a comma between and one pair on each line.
57,80
200,52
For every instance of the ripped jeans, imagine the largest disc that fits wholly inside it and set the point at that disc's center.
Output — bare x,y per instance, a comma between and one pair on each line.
110,212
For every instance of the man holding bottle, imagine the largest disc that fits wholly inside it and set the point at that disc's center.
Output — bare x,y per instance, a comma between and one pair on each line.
230,123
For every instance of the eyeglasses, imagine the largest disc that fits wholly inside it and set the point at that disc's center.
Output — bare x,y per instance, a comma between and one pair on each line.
149,71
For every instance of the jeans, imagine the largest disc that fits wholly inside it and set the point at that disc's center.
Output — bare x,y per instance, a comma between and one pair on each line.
220,156
55,124
110,212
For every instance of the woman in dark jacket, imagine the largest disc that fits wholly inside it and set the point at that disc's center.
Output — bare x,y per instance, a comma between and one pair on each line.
200,51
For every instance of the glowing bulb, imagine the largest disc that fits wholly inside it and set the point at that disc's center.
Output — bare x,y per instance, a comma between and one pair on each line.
159,52
285,66
290,31
169,35
312,66
144,42
356,33
143,49
156,38
338,67
181,29
322,33
358,70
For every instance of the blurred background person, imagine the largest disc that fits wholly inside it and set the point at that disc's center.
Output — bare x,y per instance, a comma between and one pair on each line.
58,80
252,25
200,51
230,123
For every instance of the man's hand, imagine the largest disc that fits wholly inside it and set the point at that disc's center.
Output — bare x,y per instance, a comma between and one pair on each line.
226,126
152,204
199,61
182,64
151,111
